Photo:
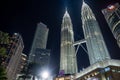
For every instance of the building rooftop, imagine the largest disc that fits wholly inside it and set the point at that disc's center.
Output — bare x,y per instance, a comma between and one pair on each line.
101,64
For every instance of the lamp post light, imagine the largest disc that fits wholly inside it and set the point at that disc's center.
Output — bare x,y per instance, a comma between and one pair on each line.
44,75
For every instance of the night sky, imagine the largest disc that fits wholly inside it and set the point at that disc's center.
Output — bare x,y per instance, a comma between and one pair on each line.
22,16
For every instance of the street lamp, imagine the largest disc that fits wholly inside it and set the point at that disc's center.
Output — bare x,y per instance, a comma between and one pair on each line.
45,74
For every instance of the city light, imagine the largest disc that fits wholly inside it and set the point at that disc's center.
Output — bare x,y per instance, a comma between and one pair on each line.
45,74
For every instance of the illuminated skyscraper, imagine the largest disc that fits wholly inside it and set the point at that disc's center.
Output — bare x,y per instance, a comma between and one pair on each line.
13,66
112,16
97,50
40,40
68,62
42,57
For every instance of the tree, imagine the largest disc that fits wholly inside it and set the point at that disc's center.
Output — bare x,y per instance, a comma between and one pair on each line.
3,52
4,42
4,38
2,73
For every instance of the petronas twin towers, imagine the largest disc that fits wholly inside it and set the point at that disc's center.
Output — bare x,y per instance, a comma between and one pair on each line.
97,50
68,61
96,47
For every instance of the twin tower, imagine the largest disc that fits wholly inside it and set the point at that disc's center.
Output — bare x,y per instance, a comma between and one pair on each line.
97,50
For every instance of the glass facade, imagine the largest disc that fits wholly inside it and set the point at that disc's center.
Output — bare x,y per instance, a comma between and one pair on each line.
112,17
42,57
104,70
40,39
68,62
13,66
97,50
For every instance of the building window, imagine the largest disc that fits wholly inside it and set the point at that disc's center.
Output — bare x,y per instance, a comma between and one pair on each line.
113,70
92,74
107,69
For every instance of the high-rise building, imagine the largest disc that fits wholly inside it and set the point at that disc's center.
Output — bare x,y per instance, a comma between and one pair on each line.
42,57
15,53
22,63
112,16
103,70
68,63
97,50
40,39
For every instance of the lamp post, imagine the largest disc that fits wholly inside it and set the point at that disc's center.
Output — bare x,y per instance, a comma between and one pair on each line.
44,75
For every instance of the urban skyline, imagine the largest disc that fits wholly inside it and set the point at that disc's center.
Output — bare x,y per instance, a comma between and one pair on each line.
10,27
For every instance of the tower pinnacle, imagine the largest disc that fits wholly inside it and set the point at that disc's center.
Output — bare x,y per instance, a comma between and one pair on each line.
66,13
83,3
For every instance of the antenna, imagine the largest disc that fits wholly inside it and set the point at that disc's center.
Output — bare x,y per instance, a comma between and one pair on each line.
65,8
83,2
66,12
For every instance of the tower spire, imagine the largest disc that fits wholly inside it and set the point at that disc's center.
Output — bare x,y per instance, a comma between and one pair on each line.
82,0
83,3
66,12
65,8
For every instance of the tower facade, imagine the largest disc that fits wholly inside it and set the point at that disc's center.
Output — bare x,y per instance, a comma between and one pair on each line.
112,16
42,57
13,63
68,62
97,50
40,40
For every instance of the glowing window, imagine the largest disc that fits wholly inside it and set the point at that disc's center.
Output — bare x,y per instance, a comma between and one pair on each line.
107,69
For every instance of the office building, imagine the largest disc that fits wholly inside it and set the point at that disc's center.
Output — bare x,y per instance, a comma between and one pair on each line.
42,57
15,53
40,40
103,70
112,16
97,50
22,63
68,63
